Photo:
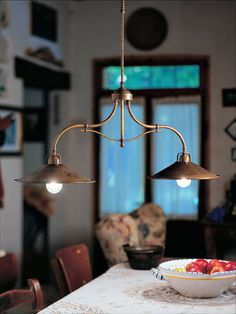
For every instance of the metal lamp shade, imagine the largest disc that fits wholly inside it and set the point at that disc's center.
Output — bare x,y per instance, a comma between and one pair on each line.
187,170
54,173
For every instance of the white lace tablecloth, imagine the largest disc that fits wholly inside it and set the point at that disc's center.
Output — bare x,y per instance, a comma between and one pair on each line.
124,290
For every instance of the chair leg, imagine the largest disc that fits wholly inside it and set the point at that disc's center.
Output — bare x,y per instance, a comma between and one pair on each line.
60,280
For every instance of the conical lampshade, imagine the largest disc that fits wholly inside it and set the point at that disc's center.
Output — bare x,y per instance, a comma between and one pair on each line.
187,170
54,173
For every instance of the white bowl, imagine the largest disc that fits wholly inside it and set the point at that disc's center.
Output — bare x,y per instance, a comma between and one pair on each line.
195,285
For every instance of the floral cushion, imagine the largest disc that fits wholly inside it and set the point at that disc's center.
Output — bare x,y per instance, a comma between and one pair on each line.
151,224
112,232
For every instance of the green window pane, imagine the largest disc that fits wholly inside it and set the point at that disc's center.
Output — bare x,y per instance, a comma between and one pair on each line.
152,77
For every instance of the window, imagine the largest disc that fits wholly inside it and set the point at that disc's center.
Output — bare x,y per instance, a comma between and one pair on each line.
120,192
151,77
173,93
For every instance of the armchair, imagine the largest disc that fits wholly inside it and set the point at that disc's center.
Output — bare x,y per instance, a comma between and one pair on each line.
144,226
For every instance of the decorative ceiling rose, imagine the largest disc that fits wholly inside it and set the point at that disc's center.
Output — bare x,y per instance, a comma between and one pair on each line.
146,28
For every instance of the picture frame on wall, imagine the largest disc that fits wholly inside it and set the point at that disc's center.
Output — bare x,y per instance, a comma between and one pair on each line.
230,129
233,153
10,131
229,97
33,125
44,20
3,81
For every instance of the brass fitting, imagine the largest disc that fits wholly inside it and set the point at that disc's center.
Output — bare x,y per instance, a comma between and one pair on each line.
122,94
54,159
184,157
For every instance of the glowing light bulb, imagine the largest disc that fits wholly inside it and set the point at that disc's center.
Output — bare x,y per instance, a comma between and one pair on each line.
183,183
54,187
119,79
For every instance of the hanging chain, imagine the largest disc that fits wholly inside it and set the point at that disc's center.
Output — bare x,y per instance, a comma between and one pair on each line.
122,43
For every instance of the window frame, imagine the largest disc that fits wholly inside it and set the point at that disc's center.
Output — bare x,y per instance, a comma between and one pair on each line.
149,94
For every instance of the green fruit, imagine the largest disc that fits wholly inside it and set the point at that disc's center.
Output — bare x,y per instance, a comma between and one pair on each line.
180,270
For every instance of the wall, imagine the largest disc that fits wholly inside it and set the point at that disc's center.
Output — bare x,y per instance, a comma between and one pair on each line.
195,28
12,167
88,30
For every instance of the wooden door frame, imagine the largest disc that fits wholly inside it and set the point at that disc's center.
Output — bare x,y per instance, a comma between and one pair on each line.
202,90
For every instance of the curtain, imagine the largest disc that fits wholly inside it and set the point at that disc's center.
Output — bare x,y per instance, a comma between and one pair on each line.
182,114
121,185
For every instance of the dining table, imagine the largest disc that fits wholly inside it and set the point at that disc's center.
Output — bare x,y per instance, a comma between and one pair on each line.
122,289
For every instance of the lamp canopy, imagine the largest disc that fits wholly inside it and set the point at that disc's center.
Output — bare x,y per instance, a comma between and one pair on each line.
186,170
54,173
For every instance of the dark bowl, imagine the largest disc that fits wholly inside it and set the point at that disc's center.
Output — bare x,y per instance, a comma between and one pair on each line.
144,257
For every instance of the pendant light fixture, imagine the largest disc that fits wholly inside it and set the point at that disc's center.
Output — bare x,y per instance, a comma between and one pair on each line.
54,173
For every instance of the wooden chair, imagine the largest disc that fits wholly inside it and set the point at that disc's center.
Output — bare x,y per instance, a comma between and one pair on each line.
59,277
72,268
12,298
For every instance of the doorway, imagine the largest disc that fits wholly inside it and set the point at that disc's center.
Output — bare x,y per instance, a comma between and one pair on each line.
39,82
171,87
167,90
36,202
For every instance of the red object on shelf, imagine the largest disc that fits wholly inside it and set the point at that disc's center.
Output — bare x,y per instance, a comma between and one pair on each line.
8,271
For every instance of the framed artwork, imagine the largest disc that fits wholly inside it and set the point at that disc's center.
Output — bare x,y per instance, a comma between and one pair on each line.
230,129
229,97
233,153
43,21
34,124
4,14
3,81
10,131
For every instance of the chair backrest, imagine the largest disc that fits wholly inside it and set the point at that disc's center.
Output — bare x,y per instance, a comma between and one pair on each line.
72,268
12,298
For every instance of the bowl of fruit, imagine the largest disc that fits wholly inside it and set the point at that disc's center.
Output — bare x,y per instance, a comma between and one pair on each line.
198,278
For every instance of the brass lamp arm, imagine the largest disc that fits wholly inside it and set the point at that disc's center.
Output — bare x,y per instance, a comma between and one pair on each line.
144,125
157,127
59,135
83,126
